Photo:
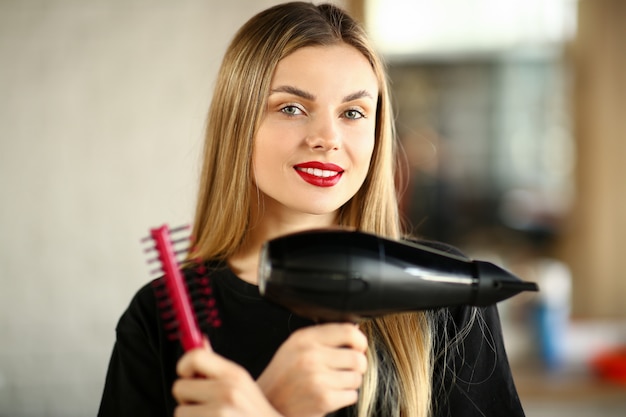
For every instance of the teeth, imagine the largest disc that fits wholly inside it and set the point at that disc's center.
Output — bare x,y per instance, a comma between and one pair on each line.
318,172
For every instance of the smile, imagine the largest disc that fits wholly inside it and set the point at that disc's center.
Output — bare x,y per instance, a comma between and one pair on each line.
319,174
324,173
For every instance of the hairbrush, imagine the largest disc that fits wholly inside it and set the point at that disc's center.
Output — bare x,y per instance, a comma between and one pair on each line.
174,298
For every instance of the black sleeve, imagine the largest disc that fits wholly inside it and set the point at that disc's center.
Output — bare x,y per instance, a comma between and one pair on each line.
472,376
138,382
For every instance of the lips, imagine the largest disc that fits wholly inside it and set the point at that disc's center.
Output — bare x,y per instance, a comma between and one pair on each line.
319,174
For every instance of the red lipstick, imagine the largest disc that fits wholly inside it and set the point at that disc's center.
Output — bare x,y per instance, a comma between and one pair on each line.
319,174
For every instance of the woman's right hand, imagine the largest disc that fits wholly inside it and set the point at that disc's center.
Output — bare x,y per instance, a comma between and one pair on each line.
211,385
317,370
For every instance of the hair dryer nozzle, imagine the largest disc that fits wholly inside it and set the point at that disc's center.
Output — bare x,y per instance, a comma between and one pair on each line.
338,275
495,284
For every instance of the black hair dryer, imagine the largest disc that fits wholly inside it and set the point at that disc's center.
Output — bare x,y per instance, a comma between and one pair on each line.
339,275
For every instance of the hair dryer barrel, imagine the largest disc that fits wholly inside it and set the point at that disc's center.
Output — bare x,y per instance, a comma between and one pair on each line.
338,275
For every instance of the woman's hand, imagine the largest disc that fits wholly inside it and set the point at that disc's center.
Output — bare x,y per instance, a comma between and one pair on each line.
211,385
318,370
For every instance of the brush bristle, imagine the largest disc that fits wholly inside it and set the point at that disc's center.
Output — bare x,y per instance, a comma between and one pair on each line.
201,297
197,292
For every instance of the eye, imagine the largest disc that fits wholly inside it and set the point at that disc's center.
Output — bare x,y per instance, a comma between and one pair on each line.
353,114
291,110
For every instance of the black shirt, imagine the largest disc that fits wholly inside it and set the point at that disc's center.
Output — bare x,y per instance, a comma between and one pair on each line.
473,378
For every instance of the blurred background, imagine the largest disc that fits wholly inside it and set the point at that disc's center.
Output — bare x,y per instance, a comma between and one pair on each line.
511,114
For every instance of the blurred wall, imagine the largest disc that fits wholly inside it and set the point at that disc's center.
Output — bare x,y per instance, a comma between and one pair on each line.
594,242
102,106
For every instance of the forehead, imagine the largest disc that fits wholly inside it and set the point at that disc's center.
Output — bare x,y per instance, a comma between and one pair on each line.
334,66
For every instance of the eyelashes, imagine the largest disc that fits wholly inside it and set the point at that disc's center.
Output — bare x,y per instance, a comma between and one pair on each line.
350,114
354,114
292,110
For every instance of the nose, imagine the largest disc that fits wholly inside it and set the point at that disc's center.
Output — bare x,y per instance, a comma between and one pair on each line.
324,134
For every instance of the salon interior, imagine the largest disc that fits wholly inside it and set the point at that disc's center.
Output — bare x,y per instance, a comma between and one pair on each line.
514,131
511,115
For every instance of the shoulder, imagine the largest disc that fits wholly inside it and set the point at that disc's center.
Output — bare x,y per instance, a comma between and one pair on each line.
144,313
141,315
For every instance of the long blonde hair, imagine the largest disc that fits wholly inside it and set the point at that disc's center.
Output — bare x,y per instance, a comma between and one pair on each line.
400,345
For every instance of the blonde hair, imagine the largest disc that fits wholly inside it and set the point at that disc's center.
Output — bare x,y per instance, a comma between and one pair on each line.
399,344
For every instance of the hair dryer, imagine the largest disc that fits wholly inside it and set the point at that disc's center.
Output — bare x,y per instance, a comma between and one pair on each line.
339,275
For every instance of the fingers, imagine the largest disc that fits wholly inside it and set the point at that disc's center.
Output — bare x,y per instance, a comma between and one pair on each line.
319,369
211,385
196,362
192,391
336,335
348,335
341,380
339,347
347,360
208,364
205,375
220,397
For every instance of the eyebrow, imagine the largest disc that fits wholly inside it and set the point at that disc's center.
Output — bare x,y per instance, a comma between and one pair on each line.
357,95
295,91
311,97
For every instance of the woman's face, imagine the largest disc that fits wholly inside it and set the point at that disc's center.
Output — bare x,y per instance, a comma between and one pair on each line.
314,145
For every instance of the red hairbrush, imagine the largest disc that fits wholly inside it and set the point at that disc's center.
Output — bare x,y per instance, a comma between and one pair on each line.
172,292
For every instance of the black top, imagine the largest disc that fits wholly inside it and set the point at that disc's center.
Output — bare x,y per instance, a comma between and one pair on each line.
473,378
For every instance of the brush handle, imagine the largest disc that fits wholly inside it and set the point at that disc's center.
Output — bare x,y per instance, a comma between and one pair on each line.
190,335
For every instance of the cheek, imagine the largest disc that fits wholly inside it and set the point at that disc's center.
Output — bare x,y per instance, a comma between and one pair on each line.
260,162
365,152
366,156
261,156
269,163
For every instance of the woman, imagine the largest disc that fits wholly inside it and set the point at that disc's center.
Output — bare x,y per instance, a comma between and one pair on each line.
300,136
